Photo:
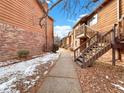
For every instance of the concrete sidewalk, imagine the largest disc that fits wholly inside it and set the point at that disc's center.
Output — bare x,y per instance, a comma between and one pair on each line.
63,77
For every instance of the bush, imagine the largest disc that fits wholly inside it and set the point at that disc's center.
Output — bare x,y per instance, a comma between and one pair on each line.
23,53
55,48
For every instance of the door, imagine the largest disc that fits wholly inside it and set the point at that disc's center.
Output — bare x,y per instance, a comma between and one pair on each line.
82,40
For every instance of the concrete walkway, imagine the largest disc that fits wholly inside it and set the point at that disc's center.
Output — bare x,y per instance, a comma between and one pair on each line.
63,77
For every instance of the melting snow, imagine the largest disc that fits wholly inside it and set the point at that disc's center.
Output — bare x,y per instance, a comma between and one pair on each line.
107,77
22,69
30,70
8,62
121,81
8,86
118,86
45,72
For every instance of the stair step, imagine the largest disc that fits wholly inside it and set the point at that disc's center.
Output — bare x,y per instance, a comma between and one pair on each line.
81,56
80,59
94,50
89,57
80,64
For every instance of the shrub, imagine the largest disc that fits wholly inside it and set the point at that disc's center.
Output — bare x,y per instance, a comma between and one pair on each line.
23,53
55,48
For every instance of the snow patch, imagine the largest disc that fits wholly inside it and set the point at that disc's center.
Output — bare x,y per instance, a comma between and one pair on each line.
121,81
31,70
8,62
107,77
45,72
8,87
21,70
118,86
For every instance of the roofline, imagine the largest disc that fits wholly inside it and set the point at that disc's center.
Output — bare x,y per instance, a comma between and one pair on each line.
91,14
70,33
41,6
100,7
80,21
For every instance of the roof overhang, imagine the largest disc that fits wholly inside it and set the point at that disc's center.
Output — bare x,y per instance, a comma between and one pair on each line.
87,17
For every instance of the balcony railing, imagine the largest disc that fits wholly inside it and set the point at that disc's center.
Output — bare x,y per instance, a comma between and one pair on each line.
120,28
84,31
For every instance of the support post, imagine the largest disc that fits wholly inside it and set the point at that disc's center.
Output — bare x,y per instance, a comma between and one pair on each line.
119,55
113,44
113,56
122,28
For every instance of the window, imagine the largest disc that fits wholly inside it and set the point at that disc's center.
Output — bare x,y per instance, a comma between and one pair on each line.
93,20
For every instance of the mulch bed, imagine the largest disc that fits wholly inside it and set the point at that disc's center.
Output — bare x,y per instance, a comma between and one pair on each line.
100,77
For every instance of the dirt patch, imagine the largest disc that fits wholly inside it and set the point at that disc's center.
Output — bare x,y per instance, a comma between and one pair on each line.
107,58
102,78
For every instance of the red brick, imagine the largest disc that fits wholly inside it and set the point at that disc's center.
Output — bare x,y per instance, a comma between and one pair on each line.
20,29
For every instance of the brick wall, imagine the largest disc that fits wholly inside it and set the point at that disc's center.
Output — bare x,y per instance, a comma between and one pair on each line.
19,28
50,38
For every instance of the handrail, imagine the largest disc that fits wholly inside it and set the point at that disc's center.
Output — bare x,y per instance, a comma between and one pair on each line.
107,33
95,39
120,28
97,48
101,39
90,28
84,29
86,41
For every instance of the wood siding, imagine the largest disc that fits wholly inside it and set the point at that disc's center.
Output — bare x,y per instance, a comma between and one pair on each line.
107,16
22,13
122,7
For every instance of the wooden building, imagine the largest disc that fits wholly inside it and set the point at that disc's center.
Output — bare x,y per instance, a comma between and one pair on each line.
67,42
64,42
104,22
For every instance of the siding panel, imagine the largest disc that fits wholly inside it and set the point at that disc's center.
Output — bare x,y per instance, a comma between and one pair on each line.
107,16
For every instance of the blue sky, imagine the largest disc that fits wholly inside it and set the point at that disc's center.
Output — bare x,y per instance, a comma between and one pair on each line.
64,24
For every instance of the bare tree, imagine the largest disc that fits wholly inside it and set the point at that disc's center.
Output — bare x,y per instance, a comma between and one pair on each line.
73,7
69,7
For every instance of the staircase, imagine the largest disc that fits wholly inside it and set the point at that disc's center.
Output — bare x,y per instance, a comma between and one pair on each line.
96,46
